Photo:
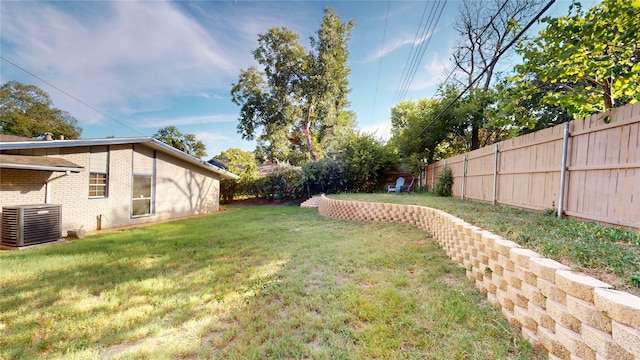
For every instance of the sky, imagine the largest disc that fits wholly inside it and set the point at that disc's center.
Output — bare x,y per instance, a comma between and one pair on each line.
128,68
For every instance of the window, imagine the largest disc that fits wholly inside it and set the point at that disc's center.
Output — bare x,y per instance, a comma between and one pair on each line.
142,182
98,171
141,201
97,185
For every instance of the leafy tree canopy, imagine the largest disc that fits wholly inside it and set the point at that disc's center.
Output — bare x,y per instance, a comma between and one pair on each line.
27,110
365,162
240,162
585,62
188,143
296,98
419,127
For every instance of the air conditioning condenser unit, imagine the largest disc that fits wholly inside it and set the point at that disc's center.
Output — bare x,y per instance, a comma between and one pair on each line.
24,225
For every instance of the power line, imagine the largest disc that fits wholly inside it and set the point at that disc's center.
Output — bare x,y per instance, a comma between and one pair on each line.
419,55
500,53
413,66
71,96
481,34
384,35
415,40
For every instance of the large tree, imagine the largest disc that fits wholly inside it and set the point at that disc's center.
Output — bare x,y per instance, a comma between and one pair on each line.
585,62
188,143
296,97
419,128
27,110
485,27
243,164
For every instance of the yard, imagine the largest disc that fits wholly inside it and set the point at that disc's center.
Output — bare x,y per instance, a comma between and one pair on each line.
608,253
250,282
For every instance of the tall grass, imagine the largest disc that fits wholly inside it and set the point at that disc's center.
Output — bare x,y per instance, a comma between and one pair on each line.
251,282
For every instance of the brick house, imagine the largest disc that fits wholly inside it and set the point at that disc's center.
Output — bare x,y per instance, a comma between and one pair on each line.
107,183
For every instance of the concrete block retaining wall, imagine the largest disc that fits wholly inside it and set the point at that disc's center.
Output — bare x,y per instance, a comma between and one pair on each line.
571,315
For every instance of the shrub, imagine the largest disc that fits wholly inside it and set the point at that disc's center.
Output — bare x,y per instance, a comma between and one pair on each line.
282,184
445,182
323,176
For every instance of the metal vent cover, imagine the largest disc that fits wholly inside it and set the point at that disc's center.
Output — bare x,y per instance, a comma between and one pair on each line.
25,225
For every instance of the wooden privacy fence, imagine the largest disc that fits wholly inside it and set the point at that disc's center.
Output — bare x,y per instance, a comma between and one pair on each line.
595,162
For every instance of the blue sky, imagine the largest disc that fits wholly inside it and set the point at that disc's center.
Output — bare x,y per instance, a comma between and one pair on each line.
150,64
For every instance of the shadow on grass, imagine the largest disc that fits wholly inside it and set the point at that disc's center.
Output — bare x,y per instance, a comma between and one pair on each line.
253,282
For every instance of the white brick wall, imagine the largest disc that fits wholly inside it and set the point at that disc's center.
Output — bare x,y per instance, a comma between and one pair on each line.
182,189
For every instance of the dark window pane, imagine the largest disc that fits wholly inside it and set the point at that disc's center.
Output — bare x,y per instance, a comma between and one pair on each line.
141,187
141,207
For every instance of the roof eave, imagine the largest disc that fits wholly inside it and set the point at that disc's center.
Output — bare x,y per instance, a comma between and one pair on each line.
40,167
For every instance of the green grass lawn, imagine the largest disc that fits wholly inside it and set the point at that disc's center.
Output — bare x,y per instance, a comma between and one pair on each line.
609,253
252,282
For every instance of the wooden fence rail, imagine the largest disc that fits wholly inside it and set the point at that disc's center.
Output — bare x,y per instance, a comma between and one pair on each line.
601,180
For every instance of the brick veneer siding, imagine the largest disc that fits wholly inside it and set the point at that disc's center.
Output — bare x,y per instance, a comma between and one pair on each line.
181,189
571,315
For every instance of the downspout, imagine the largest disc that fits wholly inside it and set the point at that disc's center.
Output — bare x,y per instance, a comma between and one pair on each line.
47,191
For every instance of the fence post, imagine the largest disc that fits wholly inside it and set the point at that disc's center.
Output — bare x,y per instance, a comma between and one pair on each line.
464,173
433,175
563,169
495,176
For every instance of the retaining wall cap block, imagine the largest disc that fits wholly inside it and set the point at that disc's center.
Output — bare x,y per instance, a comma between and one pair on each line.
546,268
620,306
578,285
521,256
489,238
504,246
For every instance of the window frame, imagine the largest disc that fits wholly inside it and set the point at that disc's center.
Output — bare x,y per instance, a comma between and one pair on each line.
136,173
96,157
95,188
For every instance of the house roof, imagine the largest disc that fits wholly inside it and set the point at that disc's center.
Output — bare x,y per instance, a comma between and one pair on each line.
13,138
38,163
148,141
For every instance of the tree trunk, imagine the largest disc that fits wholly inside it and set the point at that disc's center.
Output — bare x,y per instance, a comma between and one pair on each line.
307,134
608,101
475,137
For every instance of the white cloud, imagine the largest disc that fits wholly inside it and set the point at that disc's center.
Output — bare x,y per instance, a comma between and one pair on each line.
380,130
431,74
115,54
395,44
216,142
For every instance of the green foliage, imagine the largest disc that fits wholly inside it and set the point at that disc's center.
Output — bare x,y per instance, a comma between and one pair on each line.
521,109
323,176
297,98
417,133
27,110
585,62
187,143
445,182
366,161
243,164
283,183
